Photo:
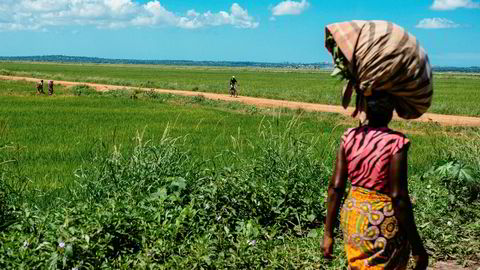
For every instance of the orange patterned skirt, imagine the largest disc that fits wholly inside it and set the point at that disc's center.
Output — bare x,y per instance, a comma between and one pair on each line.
372,236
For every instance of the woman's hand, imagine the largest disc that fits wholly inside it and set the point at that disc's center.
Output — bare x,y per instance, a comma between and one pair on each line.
421,260
328,247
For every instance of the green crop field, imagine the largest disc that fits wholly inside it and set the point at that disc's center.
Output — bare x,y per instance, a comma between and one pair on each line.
137,179
453,94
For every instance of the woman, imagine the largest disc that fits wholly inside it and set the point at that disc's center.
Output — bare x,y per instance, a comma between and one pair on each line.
377,218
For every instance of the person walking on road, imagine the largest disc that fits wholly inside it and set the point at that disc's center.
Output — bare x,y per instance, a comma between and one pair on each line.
40,87
377,218
50,87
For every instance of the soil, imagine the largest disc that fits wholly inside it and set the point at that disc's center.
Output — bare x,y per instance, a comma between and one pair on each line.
451,265
442,119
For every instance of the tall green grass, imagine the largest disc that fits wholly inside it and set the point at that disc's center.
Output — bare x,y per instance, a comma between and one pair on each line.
159,206
129,179
52,135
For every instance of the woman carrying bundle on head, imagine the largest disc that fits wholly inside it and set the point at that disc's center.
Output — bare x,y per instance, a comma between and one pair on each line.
389,71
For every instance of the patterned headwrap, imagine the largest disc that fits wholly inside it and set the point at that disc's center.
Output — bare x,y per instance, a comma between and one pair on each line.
383,57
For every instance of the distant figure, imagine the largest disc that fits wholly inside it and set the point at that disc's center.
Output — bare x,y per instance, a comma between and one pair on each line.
50,88
40,87
233,87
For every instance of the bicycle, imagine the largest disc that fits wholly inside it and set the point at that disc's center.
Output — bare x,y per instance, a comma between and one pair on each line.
233,90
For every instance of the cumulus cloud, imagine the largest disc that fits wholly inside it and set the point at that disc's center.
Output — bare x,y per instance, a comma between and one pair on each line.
289,7
436,23
453,4
238,17
41,14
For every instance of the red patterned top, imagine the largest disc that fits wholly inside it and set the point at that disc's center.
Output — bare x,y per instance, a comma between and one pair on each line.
368,152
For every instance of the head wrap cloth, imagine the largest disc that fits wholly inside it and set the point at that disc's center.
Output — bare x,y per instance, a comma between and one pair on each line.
384,58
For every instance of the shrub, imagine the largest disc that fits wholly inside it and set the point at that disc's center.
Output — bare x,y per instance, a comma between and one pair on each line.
448,204
197,99
6,72
152,94
135,93
83,90
147,84
160,206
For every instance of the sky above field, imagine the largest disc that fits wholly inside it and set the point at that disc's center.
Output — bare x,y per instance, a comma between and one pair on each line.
238,30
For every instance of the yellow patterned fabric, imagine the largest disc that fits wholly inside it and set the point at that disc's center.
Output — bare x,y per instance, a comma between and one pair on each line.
372,236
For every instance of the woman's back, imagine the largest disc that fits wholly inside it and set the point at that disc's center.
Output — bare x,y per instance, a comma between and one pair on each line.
368,152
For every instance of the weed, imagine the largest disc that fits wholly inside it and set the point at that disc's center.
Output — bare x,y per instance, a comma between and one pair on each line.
158,205
83,90
198,99
6,72
147,84
152,94
134,93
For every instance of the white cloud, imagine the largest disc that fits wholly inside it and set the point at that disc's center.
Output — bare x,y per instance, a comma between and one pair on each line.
436,23
192,13
453,4
43,5
40,14
121,6
238,17
289,7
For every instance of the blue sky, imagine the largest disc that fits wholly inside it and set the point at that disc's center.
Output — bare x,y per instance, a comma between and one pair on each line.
238,30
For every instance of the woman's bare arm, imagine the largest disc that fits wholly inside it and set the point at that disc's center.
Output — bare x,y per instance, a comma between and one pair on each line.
336,190
401,200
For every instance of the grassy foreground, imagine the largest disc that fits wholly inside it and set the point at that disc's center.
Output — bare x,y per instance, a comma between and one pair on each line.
453,93
127,179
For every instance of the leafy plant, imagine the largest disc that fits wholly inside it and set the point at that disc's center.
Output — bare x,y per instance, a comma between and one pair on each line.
340,62
83,90
159,206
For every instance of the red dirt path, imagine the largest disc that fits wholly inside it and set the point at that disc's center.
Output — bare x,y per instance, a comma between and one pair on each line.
443,119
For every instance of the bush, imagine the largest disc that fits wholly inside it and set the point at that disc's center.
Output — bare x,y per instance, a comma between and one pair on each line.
135,93
147,84
448,205
159,206
152,94
84,90
6,72
197,99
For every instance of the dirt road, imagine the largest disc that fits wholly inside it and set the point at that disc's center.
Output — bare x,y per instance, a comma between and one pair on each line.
442,119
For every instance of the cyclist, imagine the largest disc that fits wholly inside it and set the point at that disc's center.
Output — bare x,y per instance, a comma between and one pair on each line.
233,87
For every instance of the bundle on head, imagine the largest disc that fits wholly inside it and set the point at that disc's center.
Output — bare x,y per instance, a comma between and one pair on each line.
379,56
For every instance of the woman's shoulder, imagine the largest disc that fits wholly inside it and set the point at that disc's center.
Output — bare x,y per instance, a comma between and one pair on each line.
396,134
353,130
400,141
349,133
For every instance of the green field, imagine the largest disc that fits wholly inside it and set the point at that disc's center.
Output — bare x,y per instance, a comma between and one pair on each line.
174,182
453,94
